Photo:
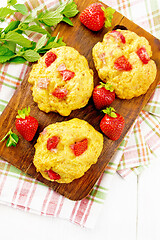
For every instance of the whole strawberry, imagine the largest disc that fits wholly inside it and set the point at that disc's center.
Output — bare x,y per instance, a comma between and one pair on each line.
112,124
96,16
26,125
103,95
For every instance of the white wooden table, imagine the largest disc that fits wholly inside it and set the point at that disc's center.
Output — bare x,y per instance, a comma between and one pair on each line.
131,212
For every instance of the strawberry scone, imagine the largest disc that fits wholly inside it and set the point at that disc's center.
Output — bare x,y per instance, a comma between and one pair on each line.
66,150
61,81
123,60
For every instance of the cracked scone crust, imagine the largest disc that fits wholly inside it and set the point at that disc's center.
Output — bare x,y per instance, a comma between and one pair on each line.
62,159
127,84
45,80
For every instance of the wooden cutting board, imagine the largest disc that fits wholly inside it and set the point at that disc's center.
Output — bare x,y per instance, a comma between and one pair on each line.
83,40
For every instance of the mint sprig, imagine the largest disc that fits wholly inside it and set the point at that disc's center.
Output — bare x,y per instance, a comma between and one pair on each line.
15,47
11,8
12,139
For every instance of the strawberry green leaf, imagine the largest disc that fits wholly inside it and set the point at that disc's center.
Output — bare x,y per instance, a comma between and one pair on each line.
107,86
108,12
23,113
12,139
110,111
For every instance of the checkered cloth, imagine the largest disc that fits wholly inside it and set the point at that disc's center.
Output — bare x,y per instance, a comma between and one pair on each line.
137,150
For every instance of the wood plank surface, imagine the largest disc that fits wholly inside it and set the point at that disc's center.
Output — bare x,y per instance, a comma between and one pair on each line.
82,40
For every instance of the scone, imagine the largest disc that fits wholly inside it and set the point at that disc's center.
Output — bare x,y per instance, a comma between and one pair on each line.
66,150
61,81
123,60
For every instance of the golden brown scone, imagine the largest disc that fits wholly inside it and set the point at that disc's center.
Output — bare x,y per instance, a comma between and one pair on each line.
64,85
109,55
66,150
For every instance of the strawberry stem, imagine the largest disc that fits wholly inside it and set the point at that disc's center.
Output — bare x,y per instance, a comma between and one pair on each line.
23,113
110,111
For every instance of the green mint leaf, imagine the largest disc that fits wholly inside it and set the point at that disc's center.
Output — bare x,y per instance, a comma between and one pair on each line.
60,8
5,12
41,42
53,42
4,51
11,26
31,55
17,60
67,20
70,10
4,59
18,38
10,45
5,54
39,29
21,8
50,18
11,2
32,16
12,139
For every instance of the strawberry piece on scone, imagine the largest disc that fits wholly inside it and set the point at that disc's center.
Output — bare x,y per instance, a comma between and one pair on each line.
52,142
53,175
122,64
60,93
26,125
112,124
143,55
79,147
51,57
67,74
118,35
103,95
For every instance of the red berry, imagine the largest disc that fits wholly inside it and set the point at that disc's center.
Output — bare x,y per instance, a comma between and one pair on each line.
122,64
103,95
52,142
80,147
51,57
143,55
118,35
53,175
60,93
67,74
26,125
93,17
112,124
